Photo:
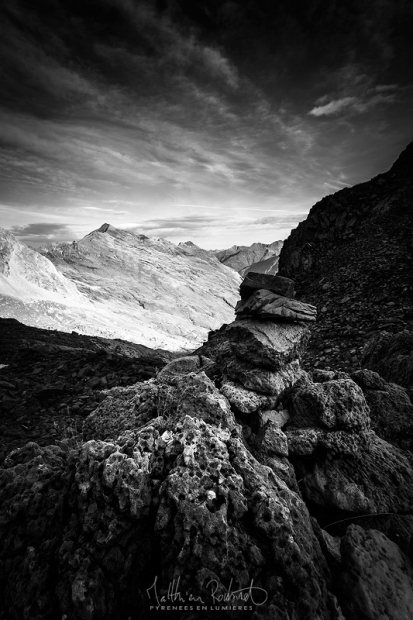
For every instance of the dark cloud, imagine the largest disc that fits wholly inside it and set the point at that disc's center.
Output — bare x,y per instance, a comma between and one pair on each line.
160,104
42,232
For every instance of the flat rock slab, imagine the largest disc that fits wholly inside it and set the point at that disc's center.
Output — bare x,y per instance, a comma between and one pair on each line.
276,284
272,307
261,343
265,381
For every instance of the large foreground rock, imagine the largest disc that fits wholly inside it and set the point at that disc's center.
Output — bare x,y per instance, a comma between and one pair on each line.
87,534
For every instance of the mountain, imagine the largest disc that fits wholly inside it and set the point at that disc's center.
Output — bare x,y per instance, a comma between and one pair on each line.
258,257
352,257
116,284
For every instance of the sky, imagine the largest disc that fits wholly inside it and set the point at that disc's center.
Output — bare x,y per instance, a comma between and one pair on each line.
216,121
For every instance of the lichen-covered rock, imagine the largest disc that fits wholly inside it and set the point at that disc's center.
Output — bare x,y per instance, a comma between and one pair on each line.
33,503
391,410
306,441
179,496
272,307
336,404
265,381
243,400
262,343
376,580
126,409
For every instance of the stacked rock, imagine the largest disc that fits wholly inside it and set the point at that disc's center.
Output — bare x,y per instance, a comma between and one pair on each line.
258,353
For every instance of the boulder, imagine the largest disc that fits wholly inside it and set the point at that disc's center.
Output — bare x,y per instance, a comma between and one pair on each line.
183,366
375,479
262,343
376,580
391,410
264,381
243,400
337,404
276,284
272,307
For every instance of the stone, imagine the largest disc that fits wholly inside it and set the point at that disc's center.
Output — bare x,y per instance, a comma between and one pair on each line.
272,307
271,440
182,366
276,284
376,479
376,578
264,343
243,400
391,410
180,495
265,381
279,417
336,404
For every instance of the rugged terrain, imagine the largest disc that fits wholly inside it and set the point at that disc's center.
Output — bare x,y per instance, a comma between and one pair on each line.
258,257
353,258
116,284
234,484
50,380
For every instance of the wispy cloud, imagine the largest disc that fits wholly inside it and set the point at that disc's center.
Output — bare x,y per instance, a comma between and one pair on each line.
352,105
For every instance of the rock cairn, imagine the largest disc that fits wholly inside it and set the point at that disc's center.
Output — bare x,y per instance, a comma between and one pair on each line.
232,471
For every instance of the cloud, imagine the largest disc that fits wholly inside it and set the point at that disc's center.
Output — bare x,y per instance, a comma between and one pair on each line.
118,212
334,107
352,105
38,233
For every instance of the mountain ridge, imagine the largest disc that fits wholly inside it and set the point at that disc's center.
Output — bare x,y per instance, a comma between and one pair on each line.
127,285
257,257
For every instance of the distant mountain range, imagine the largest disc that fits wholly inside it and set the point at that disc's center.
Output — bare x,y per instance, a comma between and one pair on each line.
117,284
258,257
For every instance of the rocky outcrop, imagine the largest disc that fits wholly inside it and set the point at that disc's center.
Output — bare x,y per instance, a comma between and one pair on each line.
352,259
116,284
228,480
180,496
258,257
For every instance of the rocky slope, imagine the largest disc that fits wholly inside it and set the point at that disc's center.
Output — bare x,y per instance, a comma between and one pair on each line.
232,485
50,381
352,258
116,284
258,257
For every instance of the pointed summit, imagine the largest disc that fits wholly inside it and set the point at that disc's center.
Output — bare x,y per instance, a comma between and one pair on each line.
104,228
